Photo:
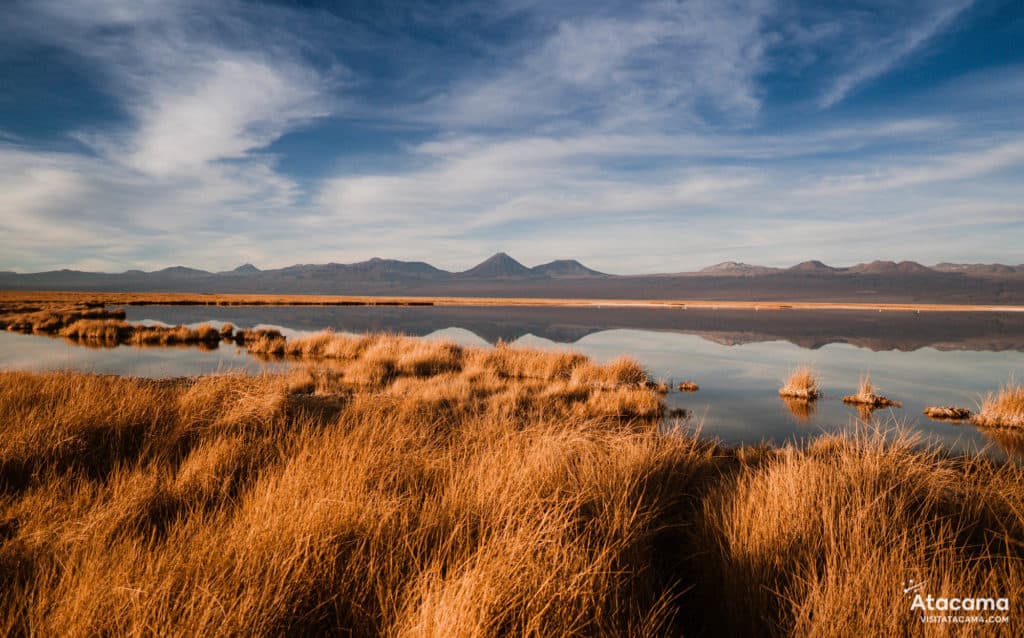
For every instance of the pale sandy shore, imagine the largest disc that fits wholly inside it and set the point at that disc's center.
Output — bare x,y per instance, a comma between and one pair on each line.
170,298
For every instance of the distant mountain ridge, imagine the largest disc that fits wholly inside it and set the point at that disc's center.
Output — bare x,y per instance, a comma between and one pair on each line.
813,266
890,267
503,265
566,268
736,268
979,269
499,265
503,276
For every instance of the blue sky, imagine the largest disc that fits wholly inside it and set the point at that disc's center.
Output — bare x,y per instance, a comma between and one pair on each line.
634,136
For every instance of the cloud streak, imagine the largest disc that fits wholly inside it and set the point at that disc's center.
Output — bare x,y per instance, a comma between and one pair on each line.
199,85
662,61
872,57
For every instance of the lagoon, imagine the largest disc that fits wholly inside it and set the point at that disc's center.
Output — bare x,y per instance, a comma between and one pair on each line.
739,358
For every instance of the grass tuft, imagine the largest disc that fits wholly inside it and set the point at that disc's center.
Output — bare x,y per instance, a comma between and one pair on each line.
801,384
867,397
1004,408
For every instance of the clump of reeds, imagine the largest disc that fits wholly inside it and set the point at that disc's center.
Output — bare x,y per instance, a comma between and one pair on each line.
379,359
688,386
51,318
509,362
661,387
867,397
622,371
802,384
427,358
207,333
260,340
204,334
947,413
92,324
1004,408
97,330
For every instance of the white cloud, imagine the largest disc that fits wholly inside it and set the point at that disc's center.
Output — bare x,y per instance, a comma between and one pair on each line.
477,182
473,184
224,110
60,209
200,83
916,171
31,191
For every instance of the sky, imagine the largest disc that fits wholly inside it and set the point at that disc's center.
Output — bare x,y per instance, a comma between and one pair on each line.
634,136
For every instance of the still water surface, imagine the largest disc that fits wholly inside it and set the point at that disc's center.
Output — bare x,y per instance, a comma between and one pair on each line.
738,358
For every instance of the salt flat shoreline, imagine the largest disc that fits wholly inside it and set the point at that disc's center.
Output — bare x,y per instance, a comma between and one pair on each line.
242,299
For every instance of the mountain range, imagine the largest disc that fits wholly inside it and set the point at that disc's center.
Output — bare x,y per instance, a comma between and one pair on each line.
875,267
503,276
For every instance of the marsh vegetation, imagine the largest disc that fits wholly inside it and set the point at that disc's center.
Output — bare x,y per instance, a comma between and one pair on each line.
1003,408
388,485
867,396
802,384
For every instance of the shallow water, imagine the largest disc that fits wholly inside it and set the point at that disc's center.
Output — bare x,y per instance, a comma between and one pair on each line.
738,358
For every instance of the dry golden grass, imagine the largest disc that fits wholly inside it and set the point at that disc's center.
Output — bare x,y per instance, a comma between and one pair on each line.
442,504
98,327
1004,408
464,493
164,335
801,384
867,397
97,330
821,541
52,318
378,359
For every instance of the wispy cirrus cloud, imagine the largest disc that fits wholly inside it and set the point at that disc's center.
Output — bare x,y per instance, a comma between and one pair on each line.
659,61
918,171
223,109
199,85
875,56
858,42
